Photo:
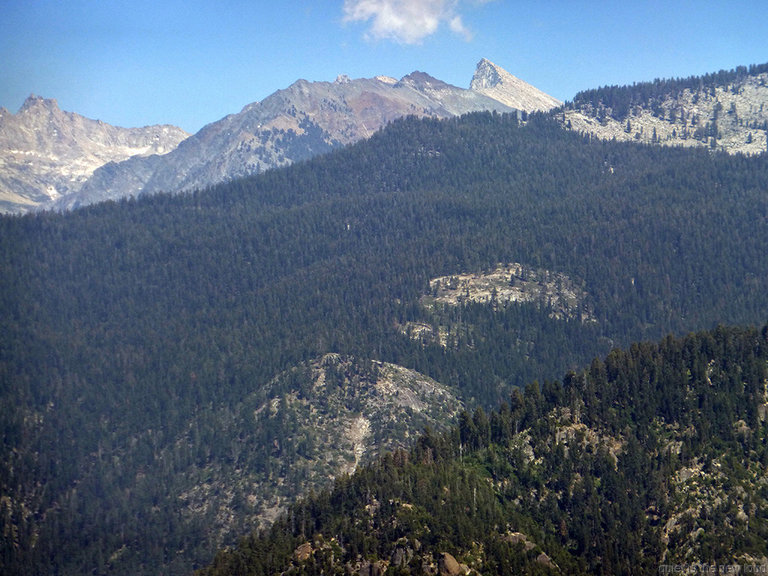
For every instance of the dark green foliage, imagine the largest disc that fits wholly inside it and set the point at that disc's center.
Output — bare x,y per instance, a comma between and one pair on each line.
621,99
127,329
595,505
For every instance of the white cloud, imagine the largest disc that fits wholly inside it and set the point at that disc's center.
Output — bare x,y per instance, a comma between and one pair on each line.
407,21
457,26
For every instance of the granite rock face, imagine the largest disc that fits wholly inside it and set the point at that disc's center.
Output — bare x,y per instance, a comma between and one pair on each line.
730,117
497,83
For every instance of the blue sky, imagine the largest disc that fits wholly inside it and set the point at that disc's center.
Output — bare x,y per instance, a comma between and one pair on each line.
140,62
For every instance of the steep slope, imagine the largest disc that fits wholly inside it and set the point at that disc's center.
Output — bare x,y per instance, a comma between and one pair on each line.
301,121
232,468
46,153
494,81
650,461
725,111
315,422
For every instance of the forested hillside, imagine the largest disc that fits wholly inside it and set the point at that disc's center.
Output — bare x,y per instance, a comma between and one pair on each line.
132,333
723,111
620,100
650,461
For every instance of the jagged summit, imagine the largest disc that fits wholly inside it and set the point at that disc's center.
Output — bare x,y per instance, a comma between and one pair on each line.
497,83
34,102
47,153
487,75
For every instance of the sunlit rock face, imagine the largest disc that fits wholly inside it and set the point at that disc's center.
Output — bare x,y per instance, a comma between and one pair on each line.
497,83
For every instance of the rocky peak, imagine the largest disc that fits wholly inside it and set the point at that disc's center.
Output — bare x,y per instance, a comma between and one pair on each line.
386,79
421,81
46,152
495,82
35,104
487,75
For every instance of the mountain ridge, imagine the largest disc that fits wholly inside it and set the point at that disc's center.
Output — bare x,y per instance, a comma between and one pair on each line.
47,153
294,123
725,111
648,461
290,124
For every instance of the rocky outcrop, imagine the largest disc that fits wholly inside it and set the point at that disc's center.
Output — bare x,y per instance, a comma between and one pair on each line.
313,423
730,117
303,552
447,565
512,282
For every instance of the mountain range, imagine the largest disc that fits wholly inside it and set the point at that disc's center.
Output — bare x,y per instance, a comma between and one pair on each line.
47,154
303,120
448,320
59,160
